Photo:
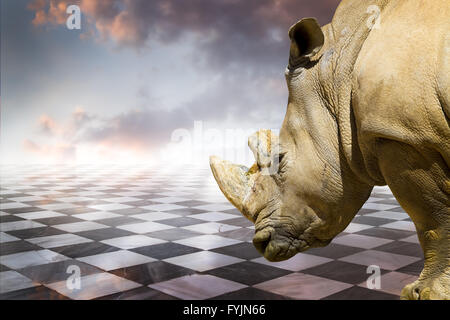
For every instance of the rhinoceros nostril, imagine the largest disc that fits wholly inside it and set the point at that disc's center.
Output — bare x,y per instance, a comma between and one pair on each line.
261,241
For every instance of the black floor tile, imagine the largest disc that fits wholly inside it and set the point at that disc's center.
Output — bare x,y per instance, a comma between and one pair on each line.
16,247
181,222
84,249
371,221
56,271
398,209
386,233
35,232
389,201
334,251
233,211
9,218
17,195
112,191
119,221
149,196
165,250
244,250
413,268
250,294
173,234
359,293
58,195
248,272
22,210
35,293
381,195
141,293
130,211
105,233
186,211
238,221
58,220
4,268
402,247
366,211
152,272
341,271
69,190
158,192
142,203
77,210
192,203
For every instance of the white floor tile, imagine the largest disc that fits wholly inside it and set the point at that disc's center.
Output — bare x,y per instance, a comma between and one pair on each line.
131,242
19,225
400,225
13,281
298,262
31,258
163,207
39,215
110,206
94,286
59,240
115,260
207,242
80,226
203,260
388,215
361,241
145,227
196,287
213,216
355,227
210,227
4,237
97,215
155,216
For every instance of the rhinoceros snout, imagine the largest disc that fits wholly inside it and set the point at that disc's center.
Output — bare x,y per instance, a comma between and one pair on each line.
261,241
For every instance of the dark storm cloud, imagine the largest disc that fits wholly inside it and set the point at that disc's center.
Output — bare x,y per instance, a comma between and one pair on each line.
227,32
142,129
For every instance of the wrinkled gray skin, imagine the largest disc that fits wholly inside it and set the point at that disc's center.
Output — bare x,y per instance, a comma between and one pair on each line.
367,106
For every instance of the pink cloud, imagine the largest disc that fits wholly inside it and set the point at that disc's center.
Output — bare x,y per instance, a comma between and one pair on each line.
47,124
51,12
57,152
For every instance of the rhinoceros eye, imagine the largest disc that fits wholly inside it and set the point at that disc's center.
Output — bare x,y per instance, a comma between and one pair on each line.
282,164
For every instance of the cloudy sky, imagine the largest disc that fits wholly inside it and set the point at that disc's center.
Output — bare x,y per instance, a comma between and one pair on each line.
142,80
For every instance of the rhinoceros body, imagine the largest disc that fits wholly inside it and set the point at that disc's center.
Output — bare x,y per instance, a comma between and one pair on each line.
369,104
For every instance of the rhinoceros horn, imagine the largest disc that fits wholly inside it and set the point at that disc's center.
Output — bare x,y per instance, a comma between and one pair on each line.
236,181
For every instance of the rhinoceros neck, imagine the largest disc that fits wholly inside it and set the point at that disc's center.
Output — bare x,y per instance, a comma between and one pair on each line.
346,34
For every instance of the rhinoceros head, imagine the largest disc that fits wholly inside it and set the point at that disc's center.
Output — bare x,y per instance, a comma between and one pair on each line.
296,193
265,194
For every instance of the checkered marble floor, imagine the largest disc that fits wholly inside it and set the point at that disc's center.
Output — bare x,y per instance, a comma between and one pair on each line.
152,233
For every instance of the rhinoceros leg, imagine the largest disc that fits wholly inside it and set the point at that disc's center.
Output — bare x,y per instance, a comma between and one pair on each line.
421,183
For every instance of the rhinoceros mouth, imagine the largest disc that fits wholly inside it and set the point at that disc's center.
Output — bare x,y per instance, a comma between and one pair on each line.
275,247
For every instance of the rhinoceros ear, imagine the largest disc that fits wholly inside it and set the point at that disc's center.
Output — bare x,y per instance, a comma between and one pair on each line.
306,40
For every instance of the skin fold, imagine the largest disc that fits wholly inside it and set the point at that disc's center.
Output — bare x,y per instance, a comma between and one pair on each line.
369,104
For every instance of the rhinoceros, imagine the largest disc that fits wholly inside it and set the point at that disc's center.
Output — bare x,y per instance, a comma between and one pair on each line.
369,105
